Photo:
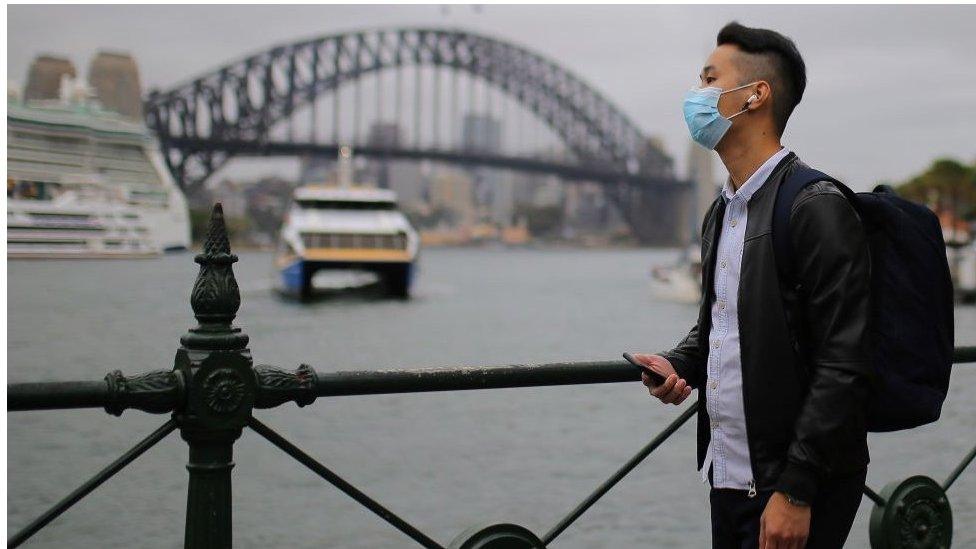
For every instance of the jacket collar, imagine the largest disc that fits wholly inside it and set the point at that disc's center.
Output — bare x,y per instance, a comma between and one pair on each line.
757,179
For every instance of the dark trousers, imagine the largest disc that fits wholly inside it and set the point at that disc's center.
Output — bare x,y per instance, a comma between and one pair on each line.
735,516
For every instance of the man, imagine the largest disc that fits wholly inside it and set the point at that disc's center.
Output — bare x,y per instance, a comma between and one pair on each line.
779,362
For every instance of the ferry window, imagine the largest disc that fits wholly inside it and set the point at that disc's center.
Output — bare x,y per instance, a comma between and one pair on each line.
345,205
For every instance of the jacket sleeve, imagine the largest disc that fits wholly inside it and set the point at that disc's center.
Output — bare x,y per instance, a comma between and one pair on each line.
687,359
833,268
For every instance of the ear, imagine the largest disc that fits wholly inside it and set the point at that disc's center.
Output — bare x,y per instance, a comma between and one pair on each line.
762,95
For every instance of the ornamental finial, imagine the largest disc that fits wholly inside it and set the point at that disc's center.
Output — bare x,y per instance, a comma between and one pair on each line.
216,297
217,242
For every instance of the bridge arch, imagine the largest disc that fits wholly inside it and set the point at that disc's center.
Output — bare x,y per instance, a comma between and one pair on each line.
242,101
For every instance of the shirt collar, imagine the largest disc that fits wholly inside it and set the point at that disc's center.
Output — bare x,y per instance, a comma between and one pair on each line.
756,180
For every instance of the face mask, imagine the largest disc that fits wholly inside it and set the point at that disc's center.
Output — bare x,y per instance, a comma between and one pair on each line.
706,124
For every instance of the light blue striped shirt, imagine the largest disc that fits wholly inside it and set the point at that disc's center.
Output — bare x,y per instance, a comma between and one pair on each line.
728,449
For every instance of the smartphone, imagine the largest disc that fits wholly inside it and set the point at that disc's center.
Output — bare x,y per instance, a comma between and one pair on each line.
655,377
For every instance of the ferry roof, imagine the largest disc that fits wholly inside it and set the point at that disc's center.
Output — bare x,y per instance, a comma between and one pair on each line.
352,194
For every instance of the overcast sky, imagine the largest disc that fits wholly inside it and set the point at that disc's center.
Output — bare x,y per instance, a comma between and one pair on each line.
890,87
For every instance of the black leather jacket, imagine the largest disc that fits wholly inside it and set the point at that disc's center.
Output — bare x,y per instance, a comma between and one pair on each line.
805,377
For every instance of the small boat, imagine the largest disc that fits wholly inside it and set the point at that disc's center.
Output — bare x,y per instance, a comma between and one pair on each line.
681,281
345,227
963,264
961,254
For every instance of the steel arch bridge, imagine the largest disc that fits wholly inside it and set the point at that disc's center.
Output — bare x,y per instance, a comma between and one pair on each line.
204,123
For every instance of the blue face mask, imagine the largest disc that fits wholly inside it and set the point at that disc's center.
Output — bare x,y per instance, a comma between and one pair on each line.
706,124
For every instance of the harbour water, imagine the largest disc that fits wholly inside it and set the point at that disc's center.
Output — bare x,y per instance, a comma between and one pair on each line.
443,461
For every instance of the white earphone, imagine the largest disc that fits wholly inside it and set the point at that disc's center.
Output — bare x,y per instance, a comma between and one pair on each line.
752,98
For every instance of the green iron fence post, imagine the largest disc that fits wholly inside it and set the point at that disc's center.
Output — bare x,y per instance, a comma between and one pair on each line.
220,391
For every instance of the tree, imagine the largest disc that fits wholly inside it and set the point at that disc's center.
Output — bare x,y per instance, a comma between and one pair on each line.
542,220
946,185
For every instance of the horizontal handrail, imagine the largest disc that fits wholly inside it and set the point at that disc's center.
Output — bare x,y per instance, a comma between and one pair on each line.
156,392
51,395
353,382
964,354
95,394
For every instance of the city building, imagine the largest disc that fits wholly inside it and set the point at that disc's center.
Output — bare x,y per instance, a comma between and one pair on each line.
453,190
44,77
701,173
494,192
653,157
587,209
115,79
404,177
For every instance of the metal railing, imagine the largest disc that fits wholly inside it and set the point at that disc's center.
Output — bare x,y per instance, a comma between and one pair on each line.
214,388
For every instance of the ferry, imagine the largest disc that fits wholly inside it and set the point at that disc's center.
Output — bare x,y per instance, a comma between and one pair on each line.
345,227
84,182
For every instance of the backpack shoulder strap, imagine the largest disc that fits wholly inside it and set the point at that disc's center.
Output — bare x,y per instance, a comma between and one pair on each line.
796,181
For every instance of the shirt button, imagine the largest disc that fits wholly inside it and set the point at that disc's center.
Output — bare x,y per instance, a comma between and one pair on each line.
715,344
714,424
721,305
713,384
723,263
733,223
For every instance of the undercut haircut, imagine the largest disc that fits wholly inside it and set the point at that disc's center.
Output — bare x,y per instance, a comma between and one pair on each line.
770,56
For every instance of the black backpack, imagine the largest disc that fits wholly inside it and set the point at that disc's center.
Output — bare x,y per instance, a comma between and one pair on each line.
911,326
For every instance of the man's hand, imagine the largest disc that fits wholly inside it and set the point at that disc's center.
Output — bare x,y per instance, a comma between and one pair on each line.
783,525
674,390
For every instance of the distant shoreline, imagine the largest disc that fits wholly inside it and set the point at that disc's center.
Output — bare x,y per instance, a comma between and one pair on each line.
541,244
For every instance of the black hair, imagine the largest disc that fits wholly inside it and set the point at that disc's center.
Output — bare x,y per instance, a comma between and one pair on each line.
779,61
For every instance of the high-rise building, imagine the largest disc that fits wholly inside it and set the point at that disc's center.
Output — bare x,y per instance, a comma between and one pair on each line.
382,135
653,159
404,177
494,190
481,133
701,173
44,77
115,79
586,207
453,190
550,193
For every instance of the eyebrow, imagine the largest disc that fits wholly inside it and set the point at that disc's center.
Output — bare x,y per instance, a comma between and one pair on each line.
707,68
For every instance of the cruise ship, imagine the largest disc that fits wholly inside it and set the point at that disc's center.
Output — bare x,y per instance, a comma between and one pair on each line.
83,182
346,227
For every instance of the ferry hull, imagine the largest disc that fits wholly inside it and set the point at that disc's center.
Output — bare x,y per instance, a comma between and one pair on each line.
295,275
